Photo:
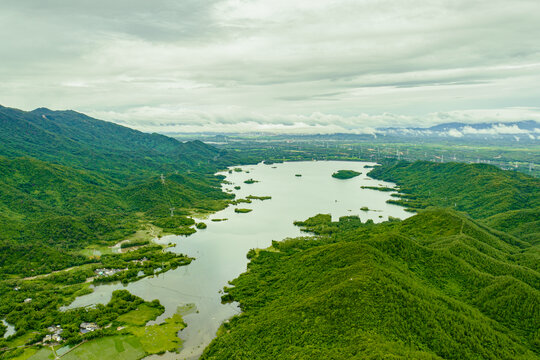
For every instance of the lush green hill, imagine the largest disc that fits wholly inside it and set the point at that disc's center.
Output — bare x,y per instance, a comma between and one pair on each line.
478,189
524,223
74,139
46,207
68,180
504,200
438,285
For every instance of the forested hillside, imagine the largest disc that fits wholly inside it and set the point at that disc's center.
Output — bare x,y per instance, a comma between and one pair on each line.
506,200
74,139
439,285
480,190
67,181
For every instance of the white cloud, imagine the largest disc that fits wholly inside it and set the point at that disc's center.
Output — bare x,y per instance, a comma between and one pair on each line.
455,133
233,119
328,65
496,129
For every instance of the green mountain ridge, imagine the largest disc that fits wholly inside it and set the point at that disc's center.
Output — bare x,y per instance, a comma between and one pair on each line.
74,139
68,180
480,190
392,290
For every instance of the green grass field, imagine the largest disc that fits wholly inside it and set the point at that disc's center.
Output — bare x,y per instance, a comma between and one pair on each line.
96,250
122,347
144,341
140,316
35,354
19,341
160,337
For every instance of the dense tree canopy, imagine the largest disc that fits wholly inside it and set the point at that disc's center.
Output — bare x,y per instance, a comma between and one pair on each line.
68,181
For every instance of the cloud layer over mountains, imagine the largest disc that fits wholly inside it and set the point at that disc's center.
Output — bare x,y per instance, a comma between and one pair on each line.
301,66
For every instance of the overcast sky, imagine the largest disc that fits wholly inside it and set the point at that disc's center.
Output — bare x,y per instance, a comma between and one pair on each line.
275,65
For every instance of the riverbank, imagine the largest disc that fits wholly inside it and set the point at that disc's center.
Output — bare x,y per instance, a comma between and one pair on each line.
277,200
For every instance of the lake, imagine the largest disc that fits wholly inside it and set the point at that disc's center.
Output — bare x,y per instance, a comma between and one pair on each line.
220,250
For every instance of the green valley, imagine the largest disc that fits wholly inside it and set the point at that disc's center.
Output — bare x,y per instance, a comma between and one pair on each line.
82,202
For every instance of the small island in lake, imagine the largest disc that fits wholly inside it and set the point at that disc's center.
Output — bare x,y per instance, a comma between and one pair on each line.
250,181
262,198
345,174
242,211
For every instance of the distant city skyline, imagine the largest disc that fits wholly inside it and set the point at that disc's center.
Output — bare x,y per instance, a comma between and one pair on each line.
300,66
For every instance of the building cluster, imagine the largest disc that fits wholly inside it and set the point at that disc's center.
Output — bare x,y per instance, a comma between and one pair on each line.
88,327
107,272
54,335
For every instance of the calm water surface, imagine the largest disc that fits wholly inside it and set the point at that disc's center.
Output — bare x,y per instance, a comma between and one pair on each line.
10,328
220,250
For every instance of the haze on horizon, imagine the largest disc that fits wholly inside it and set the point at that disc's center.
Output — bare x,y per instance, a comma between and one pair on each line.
273,65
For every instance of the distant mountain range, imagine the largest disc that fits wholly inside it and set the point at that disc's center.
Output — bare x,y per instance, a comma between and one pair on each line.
524,125
528,128
507,132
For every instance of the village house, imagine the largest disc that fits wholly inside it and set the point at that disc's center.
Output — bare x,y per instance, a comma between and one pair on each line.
52,338
107,272
57,330
54,335
88,327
